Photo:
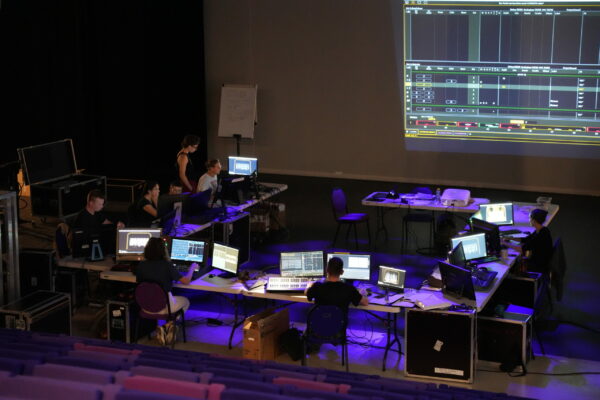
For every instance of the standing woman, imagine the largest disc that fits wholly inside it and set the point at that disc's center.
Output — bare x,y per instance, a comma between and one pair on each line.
185,169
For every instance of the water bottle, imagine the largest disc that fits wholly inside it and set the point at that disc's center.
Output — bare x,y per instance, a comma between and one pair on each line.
438,197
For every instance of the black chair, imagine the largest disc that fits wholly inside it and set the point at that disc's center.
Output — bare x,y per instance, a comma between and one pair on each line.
153,299
343,217
326,324
418,216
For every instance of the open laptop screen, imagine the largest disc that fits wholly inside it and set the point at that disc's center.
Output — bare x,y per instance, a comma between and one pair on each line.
187,250
497,213
356,266
456,281
473,245
132,241
301,263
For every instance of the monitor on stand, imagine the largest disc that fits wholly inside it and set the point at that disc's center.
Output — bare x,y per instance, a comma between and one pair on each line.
225,258
357,267
302,263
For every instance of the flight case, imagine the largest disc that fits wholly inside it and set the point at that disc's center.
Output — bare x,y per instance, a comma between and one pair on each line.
57,190
41,311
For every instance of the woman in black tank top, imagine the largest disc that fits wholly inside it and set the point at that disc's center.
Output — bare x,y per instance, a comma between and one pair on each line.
185,169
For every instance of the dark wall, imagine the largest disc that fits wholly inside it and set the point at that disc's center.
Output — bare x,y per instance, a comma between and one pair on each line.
123,79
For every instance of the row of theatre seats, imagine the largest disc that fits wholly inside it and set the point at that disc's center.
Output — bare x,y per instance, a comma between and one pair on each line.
45,366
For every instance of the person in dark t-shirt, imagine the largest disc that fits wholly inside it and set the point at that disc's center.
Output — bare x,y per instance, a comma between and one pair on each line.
333,291
146,208
157,268
538,245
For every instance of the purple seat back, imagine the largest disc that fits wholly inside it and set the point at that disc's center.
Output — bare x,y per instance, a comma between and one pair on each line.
71,373
338,203
241,394
177,375
257,387
326,324
151,297
139,395
35,387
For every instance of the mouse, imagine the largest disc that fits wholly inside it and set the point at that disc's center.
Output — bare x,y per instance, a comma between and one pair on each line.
484,269
369,291
211,275
419,304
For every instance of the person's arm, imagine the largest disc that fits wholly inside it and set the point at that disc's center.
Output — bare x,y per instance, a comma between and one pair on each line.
150,209
364,299
187,278
120,224
182,162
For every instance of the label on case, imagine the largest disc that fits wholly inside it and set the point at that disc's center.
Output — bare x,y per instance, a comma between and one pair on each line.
448,371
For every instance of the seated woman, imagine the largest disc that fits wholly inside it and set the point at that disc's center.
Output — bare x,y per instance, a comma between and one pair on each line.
537,246
157,268
146,209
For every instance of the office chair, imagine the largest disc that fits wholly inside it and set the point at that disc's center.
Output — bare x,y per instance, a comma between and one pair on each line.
152,299
326,324
343,217
418,216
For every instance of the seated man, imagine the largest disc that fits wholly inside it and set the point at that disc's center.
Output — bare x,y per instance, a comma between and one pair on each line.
91,219
209,179
156,267
537,246
175,188
334,292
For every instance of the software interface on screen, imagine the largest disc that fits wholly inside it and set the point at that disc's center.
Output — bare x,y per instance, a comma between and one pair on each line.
391,277
242,165
497,213
502,71
356,266
225,258
473,245
187,250
132,241
302,263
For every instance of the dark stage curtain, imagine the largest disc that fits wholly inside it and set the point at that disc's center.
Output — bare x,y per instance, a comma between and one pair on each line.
123,78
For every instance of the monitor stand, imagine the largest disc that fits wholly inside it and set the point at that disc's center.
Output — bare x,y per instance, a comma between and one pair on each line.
227,275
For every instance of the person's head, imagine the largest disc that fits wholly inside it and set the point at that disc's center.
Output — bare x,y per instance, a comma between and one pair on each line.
190,143
151,188
538,216
213,167
335,267
155,250
95,201
175,187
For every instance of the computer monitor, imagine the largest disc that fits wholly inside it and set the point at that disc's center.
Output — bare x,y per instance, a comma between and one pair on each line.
242,165
391,278
167,202
187,250
356,266
301,263
457,256
473,245
456,281
497,213
132,241
225,258
492,234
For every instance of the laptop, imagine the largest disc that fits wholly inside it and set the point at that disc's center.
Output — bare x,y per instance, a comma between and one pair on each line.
184,252
497,213
457,283
482,278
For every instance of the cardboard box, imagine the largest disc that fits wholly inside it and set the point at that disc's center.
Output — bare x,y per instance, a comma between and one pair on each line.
261,334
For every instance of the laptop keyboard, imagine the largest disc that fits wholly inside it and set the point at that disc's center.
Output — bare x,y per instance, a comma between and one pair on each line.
483,279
